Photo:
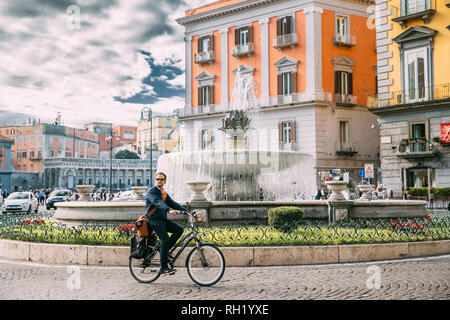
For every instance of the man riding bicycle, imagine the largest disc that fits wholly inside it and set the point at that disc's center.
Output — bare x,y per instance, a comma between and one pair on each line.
157,204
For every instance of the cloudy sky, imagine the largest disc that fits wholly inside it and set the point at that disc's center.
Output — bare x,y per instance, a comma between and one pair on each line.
90,60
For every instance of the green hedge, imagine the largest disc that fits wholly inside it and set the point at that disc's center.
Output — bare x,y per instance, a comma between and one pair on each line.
285,218
423,192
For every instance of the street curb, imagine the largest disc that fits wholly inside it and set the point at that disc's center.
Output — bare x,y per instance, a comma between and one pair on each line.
67,254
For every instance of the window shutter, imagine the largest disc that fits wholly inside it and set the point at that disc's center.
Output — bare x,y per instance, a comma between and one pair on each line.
211,95
237,36
250,34
210,138
289,24
199,42
200,102
280,132
280,84
294,82
292,131
279,27
337,82
350,82
211,42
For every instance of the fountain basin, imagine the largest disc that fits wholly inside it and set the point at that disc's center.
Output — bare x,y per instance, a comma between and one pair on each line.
220,212
78,212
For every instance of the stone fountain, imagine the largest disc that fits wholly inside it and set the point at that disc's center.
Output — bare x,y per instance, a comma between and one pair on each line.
228,183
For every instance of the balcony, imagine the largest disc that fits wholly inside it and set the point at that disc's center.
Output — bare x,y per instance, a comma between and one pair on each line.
345,149
345,99
416,148
344,40
413,9
205,57
243,49
416,95
285,40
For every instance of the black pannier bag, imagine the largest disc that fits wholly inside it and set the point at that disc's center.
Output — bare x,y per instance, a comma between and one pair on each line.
138,247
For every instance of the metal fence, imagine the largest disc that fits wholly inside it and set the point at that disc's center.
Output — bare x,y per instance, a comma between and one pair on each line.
41,228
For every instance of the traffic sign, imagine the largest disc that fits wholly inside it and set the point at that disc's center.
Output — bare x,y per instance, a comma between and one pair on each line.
361,173
368,170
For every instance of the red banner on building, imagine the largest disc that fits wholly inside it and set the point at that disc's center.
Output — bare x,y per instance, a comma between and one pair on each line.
445,132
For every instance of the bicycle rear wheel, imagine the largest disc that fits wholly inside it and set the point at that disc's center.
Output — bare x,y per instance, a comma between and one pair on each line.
148,269
205,264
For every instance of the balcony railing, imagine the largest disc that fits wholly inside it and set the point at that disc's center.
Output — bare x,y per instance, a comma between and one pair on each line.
205,57
243,49
346,149
344,40
416,148
349,99
285,40
415,95
412,9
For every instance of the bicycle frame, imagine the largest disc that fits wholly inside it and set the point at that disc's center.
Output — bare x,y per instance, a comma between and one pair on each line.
185,240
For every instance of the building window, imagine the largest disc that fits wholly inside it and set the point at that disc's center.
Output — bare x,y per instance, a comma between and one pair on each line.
341,26
416,74
343,134
286,138
205,44
287,83
206,95
413,6
343,82
286,132
285,26
206,139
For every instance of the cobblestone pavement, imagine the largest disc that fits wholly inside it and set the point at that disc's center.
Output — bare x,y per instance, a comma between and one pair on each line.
420,278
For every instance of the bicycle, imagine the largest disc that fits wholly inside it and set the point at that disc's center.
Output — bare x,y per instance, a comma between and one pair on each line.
205,263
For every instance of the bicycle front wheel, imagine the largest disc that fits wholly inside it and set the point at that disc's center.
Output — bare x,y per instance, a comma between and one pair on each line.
146,270
205,264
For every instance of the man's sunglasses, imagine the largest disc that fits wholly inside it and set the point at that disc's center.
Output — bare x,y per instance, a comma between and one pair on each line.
158,179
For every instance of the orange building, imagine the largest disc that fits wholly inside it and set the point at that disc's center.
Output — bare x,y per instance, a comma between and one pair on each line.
313,65
124,135
34,143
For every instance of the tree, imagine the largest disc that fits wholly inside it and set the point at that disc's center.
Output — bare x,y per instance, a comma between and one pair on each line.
126,154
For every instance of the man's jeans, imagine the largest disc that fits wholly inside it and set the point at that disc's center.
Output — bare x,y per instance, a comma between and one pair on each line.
162,227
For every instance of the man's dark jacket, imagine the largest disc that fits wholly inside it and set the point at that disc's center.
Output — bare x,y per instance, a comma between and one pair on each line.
154,198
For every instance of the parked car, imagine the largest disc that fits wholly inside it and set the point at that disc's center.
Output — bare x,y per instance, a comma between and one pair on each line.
58,196
125,196
20,202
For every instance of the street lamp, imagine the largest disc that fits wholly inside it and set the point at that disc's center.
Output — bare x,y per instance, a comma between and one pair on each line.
149,118
110,140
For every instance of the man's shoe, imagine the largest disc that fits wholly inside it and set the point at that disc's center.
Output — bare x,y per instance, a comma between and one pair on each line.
168,271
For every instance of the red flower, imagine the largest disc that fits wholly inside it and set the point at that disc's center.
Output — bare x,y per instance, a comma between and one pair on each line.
428,216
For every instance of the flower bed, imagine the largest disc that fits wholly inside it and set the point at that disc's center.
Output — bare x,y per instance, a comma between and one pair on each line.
435,226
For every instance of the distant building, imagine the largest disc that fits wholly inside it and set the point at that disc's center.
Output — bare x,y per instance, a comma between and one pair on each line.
68,172
6,167
103,129
165,134
32,144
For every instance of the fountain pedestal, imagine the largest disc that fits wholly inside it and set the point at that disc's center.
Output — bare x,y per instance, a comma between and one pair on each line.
140,192
198,201
366,190
85,192
338,207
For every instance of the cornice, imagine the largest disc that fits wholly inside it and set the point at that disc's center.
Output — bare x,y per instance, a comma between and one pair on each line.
239,7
